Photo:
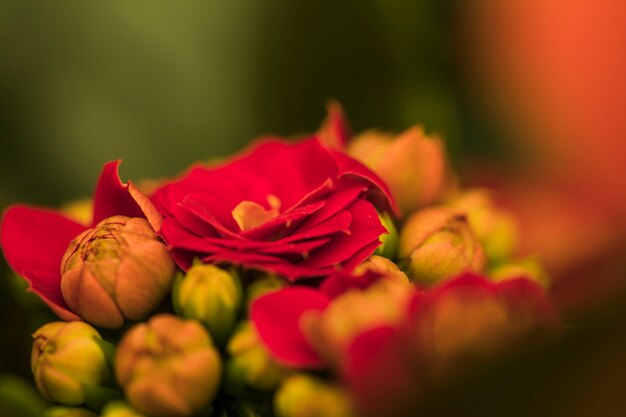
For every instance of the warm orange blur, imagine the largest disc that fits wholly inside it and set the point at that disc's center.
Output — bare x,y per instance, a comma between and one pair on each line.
556,70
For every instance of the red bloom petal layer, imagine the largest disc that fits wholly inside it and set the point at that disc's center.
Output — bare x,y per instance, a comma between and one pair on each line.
321,218
277,318
34,241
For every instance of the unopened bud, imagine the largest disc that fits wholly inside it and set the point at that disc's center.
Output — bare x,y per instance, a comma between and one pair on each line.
389,240
439,244
332,330
383,267
262,286
525,268
168,366
413,165
115,271
120,409
210,295
495,228
67,359
250,363
305,395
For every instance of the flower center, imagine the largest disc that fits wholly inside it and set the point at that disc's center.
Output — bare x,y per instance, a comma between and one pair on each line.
249,214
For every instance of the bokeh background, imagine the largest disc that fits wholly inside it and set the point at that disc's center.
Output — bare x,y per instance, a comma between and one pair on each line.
530,96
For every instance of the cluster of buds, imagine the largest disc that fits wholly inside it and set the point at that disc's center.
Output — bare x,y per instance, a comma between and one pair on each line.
317,317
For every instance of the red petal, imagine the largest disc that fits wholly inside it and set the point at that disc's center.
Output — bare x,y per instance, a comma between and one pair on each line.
365,229
351,168
277,319
34,241
334,132
380,374
341,281
113,198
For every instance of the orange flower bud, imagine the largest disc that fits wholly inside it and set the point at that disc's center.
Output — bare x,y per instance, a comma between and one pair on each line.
439,244
115,271
413,165
382,266
168,366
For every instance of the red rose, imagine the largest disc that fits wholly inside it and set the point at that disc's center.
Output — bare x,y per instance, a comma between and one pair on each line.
299,210
34,240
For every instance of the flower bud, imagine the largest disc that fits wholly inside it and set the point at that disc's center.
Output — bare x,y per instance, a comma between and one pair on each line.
439,244
115,271
262,286
332,330
69,412
526,268
210,295
390,239
66,360
383,267
413,165
495,229
250,363
168,366
306,395
119,409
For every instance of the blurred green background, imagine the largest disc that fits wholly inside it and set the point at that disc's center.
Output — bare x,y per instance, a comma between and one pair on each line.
161,84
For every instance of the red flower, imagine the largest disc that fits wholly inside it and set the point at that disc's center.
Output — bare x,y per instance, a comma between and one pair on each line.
34,240
299,210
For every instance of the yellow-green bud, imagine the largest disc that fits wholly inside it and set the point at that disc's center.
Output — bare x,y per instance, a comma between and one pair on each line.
495,228
250,364
69,412
308,396
119,409
525,268
439,243
262,286
210,295
66,360
389,240
168,366
115,271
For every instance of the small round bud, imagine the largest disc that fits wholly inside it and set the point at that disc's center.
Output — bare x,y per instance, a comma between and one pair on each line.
439,244
526,268
168,366
262,286
389,240
332,330
305,396
413,165
250,363
495,228
66,360
115,271
120,409
210,295
383,267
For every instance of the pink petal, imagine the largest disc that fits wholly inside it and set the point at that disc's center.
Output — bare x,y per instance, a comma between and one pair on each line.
34,241
277,319
113,198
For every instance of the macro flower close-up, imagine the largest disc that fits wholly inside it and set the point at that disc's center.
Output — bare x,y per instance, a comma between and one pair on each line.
363,208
